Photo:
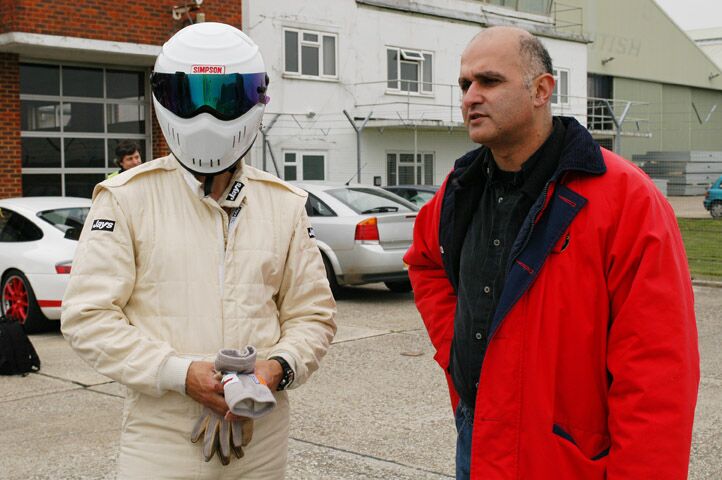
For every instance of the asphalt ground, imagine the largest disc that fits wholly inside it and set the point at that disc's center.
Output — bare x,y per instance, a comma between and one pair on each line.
377,408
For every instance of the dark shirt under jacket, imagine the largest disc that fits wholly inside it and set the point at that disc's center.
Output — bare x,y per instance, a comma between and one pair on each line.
505,200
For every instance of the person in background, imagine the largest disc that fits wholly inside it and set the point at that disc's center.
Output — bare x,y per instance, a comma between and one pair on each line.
551,276
127,156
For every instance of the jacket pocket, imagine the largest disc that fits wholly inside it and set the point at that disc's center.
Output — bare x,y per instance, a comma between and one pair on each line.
562,243
595,446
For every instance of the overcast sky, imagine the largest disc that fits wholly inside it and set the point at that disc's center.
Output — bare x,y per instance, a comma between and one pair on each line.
692,14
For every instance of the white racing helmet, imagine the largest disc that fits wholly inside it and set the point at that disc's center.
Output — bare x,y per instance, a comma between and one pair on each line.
209,93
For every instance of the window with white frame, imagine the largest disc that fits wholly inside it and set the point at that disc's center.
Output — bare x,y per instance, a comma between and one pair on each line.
304,166
72,117
560,96
409,70
401,169
309,54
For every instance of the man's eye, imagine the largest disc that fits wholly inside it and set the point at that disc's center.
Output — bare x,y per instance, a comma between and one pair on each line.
464,86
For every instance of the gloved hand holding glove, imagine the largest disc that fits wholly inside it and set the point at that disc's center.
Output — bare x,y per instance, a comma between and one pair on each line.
246,394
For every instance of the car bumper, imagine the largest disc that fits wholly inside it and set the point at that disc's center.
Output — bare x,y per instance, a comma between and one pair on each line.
369,263
49,290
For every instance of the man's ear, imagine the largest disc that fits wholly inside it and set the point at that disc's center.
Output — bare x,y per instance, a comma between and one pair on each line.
543,89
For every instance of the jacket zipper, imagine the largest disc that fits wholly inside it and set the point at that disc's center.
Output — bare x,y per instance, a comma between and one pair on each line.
533,217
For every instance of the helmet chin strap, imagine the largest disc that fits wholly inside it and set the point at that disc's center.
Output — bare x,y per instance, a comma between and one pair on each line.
208,177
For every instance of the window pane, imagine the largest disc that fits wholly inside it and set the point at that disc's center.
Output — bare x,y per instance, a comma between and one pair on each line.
113,143
84,152
126,118
65,218
82,82
313,167
310,37
539,7
39,116
129,85
564,86
391,169
406,158
428,169
309,60
41,185
406,175
82,185
555,92
361,199
428,78
40,79
329,55
291,48
289,157
83,117
410,72
40,152
16,228
289,172
392,66
316,208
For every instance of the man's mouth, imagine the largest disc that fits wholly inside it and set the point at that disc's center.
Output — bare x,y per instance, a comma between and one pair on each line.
475,116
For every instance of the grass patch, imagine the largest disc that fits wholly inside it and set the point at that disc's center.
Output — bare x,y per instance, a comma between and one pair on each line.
703,241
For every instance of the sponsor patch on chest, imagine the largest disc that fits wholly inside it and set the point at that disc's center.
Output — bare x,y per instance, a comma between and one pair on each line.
104,225
311,232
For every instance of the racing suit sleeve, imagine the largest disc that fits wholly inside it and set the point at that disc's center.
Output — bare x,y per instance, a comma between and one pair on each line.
92,320
652,356
433,293
305,303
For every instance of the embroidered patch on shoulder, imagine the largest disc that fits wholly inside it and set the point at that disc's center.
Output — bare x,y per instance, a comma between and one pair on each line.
311,232
102,224
233,194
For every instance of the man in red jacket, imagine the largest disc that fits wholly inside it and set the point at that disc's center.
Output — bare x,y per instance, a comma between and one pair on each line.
553,282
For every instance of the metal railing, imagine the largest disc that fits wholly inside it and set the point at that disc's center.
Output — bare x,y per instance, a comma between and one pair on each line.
410,101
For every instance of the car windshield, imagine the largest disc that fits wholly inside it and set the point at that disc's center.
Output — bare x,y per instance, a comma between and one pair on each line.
68,220
370,200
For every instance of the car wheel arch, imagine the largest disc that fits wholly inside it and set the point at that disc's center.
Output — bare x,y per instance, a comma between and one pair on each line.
327,252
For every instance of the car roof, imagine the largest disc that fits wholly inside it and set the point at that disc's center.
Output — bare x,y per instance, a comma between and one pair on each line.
429,188
320,185
39,204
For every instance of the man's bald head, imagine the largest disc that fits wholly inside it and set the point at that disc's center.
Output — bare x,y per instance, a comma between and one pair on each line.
533,55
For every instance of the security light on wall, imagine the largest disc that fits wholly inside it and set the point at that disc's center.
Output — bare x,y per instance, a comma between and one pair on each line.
186,8
713,75
607,60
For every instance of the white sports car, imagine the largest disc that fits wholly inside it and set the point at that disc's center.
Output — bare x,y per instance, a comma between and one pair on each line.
38,236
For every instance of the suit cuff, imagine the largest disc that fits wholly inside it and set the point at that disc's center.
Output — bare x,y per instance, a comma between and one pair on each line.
172,375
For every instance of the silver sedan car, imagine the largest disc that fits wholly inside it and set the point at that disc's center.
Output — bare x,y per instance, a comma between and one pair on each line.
362,232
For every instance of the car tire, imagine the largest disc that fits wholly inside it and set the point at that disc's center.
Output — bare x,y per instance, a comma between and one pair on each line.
403,286
331,276
716,210
18,303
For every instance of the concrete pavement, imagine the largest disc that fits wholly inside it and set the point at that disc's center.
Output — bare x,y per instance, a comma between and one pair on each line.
376,409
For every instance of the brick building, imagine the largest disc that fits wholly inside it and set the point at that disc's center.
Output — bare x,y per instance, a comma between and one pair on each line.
74,82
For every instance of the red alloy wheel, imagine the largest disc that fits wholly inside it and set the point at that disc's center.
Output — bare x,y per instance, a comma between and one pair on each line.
15,299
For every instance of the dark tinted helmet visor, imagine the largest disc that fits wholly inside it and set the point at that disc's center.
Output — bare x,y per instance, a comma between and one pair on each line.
226,96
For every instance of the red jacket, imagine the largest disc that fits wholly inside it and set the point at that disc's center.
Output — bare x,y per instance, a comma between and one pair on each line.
592,367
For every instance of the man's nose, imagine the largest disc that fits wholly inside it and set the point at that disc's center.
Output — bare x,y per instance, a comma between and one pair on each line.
472,95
